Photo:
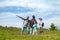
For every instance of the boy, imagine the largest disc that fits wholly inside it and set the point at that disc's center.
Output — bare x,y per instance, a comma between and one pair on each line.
35,28
25,23
41,25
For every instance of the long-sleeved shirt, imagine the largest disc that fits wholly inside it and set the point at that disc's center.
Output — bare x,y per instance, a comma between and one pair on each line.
32,22
26,21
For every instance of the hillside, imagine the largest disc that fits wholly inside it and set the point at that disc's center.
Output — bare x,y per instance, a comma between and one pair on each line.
11,33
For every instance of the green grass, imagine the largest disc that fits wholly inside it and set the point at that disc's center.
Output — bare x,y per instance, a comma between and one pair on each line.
14,34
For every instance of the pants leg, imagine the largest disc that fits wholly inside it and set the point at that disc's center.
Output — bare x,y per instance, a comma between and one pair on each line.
22,30
41,29
30,30
27,29
33,32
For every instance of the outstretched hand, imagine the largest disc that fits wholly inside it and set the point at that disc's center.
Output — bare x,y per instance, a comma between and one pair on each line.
18,16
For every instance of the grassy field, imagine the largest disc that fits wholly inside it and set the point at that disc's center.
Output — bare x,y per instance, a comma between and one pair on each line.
14,34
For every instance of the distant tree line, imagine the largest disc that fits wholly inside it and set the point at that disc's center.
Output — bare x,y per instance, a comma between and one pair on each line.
52,27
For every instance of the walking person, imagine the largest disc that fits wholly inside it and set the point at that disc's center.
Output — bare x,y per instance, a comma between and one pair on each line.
25,23
41,25
32,23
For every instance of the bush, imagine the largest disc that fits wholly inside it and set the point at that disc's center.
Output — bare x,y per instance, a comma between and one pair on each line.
53,27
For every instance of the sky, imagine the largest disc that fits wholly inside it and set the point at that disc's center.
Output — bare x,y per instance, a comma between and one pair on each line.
49,10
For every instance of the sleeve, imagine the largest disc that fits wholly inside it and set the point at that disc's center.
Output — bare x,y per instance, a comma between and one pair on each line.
36,22
22,18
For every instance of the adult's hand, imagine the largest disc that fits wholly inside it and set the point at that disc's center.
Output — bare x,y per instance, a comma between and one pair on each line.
18,16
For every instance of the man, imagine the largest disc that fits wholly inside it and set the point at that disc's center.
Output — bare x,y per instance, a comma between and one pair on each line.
25,23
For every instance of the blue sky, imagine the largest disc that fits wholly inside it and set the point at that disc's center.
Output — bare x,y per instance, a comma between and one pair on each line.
49,10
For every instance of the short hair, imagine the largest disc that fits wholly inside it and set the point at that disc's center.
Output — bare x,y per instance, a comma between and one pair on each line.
40,18
33,16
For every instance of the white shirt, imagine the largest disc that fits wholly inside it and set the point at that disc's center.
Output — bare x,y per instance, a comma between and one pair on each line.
40,24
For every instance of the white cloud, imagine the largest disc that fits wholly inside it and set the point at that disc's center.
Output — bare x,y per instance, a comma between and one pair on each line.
10,19
41,7
5,15
55,20
25,3
8,14
13,22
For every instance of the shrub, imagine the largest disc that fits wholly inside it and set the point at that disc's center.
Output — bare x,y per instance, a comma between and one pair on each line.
53,27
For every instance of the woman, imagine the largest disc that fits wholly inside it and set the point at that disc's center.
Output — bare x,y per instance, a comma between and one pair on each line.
32,23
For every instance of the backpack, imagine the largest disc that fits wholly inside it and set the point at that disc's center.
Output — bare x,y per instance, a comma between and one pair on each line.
42,24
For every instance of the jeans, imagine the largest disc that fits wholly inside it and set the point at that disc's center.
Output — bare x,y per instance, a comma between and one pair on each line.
24,29
41,29
30,31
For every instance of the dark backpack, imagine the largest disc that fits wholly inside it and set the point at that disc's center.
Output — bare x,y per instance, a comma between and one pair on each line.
42,24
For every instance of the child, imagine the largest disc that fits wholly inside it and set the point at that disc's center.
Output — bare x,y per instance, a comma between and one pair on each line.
41,24
35,28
